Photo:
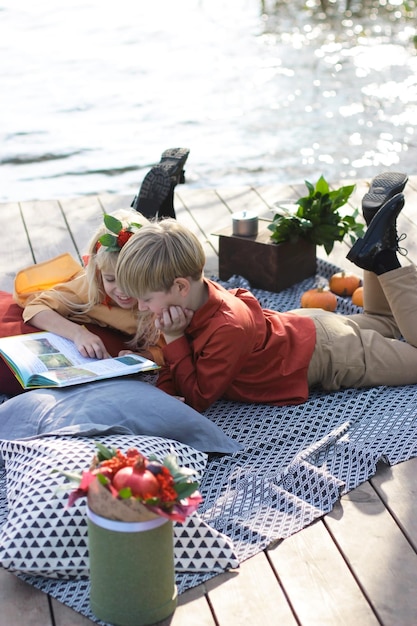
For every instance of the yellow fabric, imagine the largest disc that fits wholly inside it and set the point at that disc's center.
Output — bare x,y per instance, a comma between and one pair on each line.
44,276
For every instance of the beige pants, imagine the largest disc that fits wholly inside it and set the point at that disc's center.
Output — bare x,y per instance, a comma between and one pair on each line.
364,349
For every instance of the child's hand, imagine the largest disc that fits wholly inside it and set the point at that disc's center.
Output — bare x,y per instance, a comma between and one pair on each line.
89,344
173,322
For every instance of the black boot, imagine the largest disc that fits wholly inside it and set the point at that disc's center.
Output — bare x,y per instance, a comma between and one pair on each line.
382,188
156,195
376,251
153,193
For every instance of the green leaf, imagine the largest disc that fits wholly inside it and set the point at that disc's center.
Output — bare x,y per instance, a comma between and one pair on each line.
179,474
104,453
185,489
328,246
108,240
74,477
322,186
103,480
317,218
310,188
340,196
113,224
125,493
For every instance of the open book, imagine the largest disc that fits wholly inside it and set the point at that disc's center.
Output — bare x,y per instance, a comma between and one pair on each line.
43,359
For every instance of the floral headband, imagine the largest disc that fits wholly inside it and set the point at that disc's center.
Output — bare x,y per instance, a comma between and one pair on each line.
114,243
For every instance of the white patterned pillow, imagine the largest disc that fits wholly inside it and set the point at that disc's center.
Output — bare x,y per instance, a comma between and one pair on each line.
42,537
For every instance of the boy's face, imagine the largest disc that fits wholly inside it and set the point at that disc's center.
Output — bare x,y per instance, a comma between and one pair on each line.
157,301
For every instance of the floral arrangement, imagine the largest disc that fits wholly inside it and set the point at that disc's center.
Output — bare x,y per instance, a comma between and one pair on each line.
130,487
115,242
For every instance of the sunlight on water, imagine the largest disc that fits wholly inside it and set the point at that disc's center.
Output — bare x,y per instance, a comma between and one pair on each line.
93,92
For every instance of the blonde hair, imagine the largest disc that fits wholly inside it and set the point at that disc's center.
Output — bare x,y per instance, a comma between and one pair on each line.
156,255
101,259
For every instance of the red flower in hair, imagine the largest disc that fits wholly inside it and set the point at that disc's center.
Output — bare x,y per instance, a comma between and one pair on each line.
115,242
123,236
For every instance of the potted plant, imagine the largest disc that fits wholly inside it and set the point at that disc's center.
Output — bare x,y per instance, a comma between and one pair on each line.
317,218
284,250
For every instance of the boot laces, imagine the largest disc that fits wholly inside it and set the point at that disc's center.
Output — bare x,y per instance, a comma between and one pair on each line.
400,249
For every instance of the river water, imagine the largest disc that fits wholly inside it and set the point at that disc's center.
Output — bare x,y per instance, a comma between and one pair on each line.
92,92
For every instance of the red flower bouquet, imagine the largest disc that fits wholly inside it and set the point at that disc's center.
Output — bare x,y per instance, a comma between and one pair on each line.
130,487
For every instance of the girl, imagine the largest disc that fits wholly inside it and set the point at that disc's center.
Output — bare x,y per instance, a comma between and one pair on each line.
93,298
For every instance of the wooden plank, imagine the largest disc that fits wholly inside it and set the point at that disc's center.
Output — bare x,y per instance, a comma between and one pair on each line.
249,596
191,604
189,209
274,194
65,616
48,231
17,252
112,202
239,199
83,216
396,486
208,209
22,604
378,554
193,608
317,581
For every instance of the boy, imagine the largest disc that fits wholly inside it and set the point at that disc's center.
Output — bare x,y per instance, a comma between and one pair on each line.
222,344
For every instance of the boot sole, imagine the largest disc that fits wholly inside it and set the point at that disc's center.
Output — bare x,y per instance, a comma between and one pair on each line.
173,161
154,190
383,188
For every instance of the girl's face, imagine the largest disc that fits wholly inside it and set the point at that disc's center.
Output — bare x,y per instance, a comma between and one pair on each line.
113,291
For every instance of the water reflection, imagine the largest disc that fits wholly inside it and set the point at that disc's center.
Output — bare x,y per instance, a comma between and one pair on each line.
260,92
387,10
355,80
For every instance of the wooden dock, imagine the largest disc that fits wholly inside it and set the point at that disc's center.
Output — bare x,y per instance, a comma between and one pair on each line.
355,566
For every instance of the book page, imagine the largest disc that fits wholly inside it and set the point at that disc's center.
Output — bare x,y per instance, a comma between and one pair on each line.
48,356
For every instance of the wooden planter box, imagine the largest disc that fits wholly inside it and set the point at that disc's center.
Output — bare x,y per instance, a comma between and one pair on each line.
265,264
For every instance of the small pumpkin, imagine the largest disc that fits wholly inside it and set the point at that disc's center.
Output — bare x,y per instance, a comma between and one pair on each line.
357,296
319,298
344,283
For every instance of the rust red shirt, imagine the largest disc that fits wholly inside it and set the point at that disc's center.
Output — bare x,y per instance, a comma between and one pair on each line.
236,350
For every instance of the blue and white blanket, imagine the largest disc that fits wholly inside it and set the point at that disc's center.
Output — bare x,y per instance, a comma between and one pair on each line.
296,461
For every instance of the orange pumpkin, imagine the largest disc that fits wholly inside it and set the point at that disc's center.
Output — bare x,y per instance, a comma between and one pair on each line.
357,296
344,283
319,298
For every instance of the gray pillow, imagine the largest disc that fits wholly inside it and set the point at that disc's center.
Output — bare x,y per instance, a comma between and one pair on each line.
129,407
